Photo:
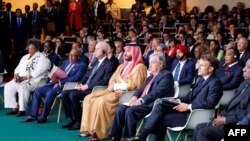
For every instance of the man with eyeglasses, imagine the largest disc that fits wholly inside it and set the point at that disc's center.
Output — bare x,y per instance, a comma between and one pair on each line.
74,68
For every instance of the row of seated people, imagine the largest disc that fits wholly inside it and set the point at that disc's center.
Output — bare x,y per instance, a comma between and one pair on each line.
132,58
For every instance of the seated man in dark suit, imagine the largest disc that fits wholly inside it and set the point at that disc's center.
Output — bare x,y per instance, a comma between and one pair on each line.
242,45
183,69
74,68
236,110
159,84
99,75
229,71
50,53
205,94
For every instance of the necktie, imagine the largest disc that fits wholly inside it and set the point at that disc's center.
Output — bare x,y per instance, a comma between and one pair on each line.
145,91
93,72
200,81
68,68
9,16
177,71
19,22
34,17
227,70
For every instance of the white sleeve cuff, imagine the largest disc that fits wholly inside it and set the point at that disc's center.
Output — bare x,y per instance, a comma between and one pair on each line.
190,107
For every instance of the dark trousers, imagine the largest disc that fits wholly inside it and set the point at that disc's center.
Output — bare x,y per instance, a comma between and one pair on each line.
128,117
72,105
49,92
208,132
161,117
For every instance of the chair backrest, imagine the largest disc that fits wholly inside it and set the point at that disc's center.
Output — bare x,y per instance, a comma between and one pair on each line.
226,97
182,90
199,116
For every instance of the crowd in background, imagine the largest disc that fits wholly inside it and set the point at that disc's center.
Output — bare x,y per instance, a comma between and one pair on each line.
181,37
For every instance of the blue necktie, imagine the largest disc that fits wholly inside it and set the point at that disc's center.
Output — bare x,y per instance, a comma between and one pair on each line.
177,71
93,72
68,68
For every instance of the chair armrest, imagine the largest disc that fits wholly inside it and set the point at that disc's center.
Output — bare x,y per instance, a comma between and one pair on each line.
126,97
96,88
69,85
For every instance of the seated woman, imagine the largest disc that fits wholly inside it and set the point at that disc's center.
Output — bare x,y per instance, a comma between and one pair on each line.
216,50
99,107
230,72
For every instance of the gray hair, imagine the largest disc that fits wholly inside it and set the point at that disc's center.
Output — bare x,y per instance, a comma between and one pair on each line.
160,58
104,45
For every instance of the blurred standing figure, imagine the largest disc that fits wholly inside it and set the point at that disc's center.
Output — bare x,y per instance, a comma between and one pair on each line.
113,10
75,17
35,22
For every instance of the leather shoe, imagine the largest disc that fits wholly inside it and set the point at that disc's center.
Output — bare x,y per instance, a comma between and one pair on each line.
76,126
136,138
12,112
41,121
84,134
21,113
68,124
28,119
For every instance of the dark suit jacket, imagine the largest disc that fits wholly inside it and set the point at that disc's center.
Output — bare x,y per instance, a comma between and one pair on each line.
54,58
244,58
19,31
101,76
245,120
163,86
187,72
239,105
135,9
101,10
35,23
115,63
76,73
6,18
231,79
205,97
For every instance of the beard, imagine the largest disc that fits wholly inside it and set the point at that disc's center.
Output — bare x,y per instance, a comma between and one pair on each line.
180,57
128,58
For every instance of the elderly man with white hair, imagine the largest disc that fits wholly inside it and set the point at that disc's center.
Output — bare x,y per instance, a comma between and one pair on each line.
99,74
29,74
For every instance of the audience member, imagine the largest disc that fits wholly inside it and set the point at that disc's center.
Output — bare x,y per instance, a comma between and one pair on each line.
30,73
229,71
74,68
237,109
183,70
205,94
143,99
75,15
99,75
99,107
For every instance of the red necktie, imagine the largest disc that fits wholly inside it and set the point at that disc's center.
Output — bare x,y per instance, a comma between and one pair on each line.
147,87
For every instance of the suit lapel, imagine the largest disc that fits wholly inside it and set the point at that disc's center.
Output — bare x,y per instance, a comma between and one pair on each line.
239,96
198,88
100,67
